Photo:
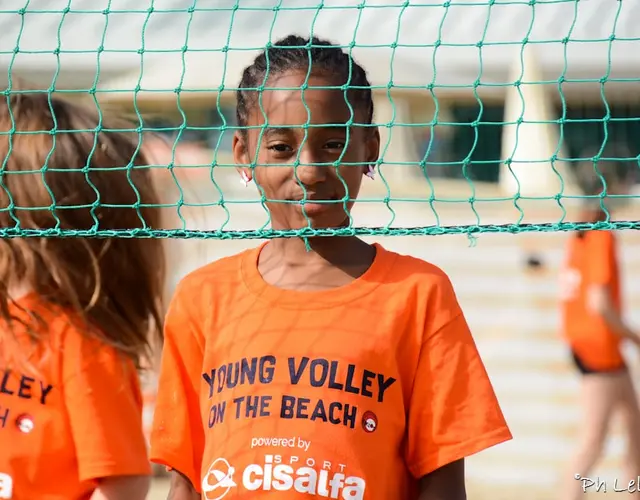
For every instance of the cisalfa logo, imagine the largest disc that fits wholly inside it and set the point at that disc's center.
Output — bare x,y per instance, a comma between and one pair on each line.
218,480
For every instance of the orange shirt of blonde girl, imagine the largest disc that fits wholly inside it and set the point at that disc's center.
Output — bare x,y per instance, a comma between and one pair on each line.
75,314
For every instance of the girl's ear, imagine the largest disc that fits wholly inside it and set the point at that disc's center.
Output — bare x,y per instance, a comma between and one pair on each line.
241,157
372,150
240,149
373,146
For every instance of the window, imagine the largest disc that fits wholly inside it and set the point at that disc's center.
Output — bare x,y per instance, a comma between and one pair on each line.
211,127
584,128
455,138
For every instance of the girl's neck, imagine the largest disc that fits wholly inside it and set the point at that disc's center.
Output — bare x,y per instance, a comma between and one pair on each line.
330,263
331,251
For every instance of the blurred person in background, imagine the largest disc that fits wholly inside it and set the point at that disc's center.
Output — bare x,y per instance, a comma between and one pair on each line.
76,315
592,320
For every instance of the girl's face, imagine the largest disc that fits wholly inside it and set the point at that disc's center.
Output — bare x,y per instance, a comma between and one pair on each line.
291,160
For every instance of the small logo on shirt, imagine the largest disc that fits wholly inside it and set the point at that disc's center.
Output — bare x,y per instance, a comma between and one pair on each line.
294,474
218,480
24,423
369,421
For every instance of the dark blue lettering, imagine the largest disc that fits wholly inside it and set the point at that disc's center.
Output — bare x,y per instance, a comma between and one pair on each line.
319,412
216,413
333,408
24,387
286,407
45,389
267,369
24,391
222,377
296,374
238,403
301,407
349,415
348,386
5,381
248,372
337,413
230,375
209,378
264,406
383,385
367,381
251,406
315,379
4,417
333,374
233,374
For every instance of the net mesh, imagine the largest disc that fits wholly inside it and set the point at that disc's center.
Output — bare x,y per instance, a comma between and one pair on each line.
485,107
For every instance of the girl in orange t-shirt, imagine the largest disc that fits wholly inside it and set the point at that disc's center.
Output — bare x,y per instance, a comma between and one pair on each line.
343,371
594,329
75,314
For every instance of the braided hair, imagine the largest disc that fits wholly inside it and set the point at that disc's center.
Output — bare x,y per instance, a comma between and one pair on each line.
296,53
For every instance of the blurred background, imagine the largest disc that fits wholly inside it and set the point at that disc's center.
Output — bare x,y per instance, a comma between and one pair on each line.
459,87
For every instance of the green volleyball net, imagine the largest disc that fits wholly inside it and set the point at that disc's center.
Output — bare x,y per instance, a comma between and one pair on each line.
495,116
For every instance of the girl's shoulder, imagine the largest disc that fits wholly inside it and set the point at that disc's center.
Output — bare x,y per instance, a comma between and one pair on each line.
410,271
42,330
412,266
421,288
39,315
217,275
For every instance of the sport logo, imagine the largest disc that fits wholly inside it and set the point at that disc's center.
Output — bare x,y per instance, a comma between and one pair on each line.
278,474
222,474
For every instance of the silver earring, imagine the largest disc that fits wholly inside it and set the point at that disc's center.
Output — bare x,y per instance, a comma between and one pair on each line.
371,174
244,179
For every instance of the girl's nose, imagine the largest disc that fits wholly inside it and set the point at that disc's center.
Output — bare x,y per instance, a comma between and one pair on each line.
310,169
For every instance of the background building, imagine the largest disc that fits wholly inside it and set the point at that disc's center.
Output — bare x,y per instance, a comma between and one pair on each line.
437,70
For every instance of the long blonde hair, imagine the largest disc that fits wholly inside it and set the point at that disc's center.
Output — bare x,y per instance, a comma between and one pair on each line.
63,167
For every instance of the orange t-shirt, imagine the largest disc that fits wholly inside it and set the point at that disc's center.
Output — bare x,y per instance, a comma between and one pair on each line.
353,392
74,417
591,260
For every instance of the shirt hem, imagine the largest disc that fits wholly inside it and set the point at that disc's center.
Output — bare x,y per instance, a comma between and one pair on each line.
110,469
172,462
460,451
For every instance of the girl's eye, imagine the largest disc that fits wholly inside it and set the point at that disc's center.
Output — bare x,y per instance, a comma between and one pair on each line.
335,145
280,148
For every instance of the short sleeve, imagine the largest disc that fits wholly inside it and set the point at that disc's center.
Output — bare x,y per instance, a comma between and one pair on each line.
104,404
177,435
454,412
600,254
